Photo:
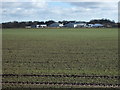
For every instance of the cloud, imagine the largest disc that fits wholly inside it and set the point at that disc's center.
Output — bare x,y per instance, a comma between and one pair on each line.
86,4
86,0
95,5
22,11
58,0
23,0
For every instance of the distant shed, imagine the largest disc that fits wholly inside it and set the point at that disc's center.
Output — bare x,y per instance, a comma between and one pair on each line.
75,25
79,25
27,26
95,25
69,25
55,25
43,25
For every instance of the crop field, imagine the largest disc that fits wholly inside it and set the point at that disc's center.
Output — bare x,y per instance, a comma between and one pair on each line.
59,58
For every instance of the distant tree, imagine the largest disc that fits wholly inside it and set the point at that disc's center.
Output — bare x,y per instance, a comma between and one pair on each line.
105,22
60,22
72,21
35,22
29,23
65,22
22,24
42,22
49,22
101,21
7,25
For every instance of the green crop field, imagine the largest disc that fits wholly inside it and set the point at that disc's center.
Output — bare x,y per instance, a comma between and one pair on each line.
63,52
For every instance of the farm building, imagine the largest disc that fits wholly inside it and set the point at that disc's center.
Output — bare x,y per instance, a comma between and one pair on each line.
75,25
69,25
43,25
33,26
27,26
37,26
55,25
95,25
79,25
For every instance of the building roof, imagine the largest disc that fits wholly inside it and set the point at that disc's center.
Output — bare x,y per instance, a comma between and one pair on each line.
56,24
98,25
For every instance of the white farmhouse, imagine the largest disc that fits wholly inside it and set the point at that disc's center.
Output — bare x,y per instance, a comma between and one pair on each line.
76,25
61,25
43,25
37,26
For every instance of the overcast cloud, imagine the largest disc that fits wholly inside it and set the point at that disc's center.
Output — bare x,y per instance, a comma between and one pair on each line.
42,11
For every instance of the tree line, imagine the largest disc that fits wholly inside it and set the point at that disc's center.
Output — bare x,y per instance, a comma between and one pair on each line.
16,24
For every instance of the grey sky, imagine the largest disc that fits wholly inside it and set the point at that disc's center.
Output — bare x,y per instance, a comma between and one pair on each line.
44,10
